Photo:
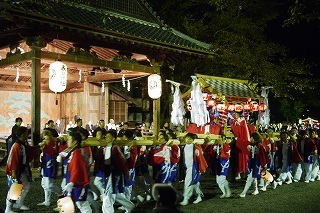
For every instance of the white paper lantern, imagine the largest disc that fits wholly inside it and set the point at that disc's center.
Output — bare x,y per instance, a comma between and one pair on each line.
57,76
221,107
66,205
15,191
154,86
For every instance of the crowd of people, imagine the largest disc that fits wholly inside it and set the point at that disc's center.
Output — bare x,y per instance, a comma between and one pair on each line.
120,172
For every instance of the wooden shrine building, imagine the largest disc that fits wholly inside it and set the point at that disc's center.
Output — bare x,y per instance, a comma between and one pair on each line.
100,42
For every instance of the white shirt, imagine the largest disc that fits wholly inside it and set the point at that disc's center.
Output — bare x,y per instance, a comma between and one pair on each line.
188,155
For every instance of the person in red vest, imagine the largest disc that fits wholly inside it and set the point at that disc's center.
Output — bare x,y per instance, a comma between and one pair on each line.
18,168
116,172
49,166
195,164
222,155
258,159
77,179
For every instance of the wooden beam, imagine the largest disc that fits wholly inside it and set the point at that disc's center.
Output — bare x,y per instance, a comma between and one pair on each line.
115,76
94,62
14,59
25,73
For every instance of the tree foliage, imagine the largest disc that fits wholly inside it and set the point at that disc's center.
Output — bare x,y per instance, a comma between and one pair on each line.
237,31
303,11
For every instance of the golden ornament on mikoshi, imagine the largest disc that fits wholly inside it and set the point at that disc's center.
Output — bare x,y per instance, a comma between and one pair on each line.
154,86
58,76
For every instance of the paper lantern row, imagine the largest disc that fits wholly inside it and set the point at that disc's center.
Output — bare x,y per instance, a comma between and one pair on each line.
232,107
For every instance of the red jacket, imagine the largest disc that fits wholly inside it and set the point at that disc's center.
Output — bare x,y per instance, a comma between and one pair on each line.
78,169
175,154
198,157
15,158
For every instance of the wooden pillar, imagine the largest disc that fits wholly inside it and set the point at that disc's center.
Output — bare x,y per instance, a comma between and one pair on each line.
106,102
85,104
156,117
36,44
156,112
156,59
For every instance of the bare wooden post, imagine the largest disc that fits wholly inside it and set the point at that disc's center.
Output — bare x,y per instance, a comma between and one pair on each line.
106,102
36,44
85,106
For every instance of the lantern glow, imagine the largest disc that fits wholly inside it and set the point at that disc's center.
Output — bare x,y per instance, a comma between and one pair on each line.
230,107
266,175
238,107
154,86
254,105
262,107
66,205
15,191
57,76
221,107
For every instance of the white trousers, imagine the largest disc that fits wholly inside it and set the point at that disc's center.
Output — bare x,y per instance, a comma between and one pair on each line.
315,168
189,190
250,180
305,168
109,199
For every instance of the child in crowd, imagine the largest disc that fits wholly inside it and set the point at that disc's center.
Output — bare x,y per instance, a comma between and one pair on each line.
99,166
116,171
131,154
258,158
143,178
18,168
195,164
287,154
307,149
222,155
159,158
77,180
49,166
174,156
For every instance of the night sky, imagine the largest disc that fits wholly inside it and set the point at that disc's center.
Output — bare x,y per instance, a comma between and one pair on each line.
302,42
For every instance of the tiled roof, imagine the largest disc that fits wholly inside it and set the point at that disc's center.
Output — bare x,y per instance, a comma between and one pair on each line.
110,23
230,87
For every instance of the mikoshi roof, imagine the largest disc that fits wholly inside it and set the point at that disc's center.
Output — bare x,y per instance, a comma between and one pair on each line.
229,87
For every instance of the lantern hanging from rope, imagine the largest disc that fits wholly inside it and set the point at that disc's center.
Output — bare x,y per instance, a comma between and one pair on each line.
246,107
254,105
221,107
230,107
238,107
154,86
57,76
262,107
